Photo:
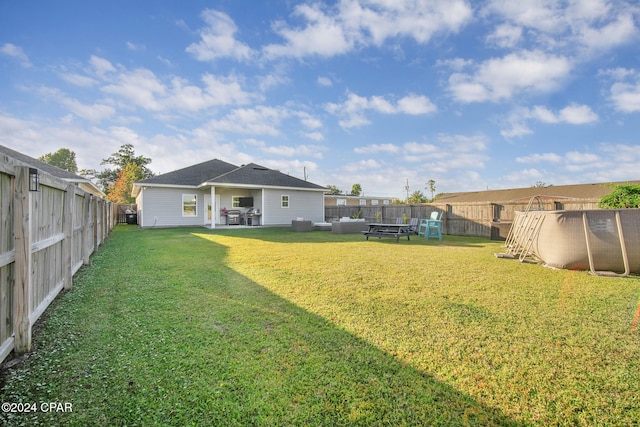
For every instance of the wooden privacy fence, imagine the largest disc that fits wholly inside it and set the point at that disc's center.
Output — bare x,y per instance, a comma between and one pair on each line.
478,219
46,236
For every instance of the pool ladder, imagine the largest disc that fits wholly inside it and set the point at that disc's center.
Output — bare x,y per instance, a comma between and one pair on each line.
523,233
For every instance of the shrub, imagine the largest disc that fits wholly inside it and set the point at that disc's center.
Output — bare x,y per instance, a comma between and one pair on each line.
622,196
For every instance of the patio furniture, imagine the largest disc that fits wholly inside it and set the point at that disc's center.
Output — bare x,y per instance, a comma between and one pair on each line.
388,230
434,226
422,226
413,225
302,225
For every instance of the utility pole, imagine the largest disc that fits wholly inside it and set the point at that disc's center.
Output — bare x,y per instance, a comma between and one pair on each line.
406,188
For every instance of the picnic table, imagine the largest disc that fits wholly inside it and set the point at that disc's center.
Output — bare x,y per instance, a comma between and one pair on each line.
388,230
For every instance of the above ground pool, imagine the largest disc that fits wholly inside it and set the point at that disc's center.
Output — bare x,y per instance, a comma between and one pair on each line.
604,241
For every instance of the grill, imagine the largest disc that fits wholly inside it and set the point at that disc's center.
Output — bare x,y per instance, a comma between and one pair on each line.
233,217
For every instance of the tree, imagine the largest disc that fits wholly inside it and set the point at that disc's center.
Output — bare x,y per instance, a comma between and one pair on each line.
622,196
356,190
431,186
121,188
63,158
333,190
417,197
120,159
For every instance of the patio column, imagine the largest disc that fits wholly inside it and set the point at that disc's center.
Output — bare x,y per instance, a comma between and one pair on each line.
215,213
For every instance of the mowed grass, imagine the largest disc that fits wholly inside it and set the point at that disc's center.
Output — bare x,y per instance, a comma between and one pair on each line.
271,327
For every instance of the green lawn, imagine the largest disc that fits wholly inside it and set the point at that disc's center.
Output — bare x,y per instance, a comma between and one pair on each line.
270,327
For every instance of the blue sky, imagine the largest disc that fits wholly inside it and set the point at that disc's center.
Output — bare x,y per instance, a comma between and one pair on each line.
472,94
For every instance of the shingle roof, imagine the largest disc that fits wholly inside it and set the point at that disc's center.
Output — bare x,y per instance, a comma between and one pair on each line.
253,174
192,175
576,191
218,172
39,164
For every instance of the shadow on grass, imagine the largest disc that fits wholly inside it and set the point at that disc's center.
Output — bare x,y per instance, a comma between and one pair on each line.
167,334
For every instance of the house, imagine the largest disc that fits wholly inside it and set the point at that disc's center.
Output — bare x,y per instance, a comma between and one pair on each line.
344,200
216,193
80,181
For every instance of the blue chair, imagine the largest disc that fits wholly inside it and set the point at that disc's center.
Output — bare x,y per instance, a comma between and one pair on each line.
422,226
434,226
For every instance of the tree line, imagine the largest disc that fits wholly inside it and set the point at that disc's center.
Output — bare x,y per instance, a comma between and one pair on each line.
115,181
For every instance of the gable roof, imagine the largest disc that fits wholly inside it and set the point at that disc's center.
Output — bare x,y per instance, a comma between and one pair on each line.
256,175
576,191
217,172
192,175
52,170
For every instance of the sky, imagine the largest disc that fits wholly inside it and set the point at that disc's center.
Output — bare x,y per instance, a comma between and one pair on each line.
388,94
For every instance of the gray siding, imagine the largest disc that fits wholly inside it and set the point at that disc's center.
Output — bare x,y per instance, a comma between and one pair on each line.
302,204
162,207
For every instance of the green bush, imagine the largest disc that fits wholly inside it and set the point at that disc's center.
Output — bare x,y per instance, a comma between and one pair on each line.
622,196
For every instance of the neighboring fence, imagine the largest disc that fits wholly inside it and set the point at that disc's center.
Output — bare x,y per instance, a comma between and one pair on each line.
121,212
45,237
479,219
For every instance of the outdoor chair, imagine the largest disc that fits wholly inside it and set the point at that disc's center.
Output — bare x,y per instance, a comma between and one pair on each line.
434,226
399,220
422,226
413,225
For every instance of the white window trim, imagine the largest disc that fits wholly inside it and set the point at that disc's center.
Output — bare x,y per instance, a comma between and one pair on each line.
282,201
195,212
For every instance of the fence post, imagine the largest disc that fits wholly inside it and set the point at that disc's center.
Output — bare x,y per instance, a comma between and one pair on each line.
67,229
22,283
86,232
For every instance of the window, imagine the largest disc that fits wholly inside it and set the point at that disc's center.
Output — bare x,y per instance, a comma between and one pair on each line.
385,202
284,201
363,202
341,202
189,205
374,202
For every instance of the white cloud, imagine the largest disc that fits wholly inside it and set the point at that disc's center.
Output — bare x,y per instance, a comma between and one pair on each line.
377,148
586,25
251,121
416,105
359,23
617,32
94,113
323,35
139,87
135,47
355,107
79,79
573,114
314,151
501,78
218,39
101,66
537,158
626,97
325,81
16,52
505,35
